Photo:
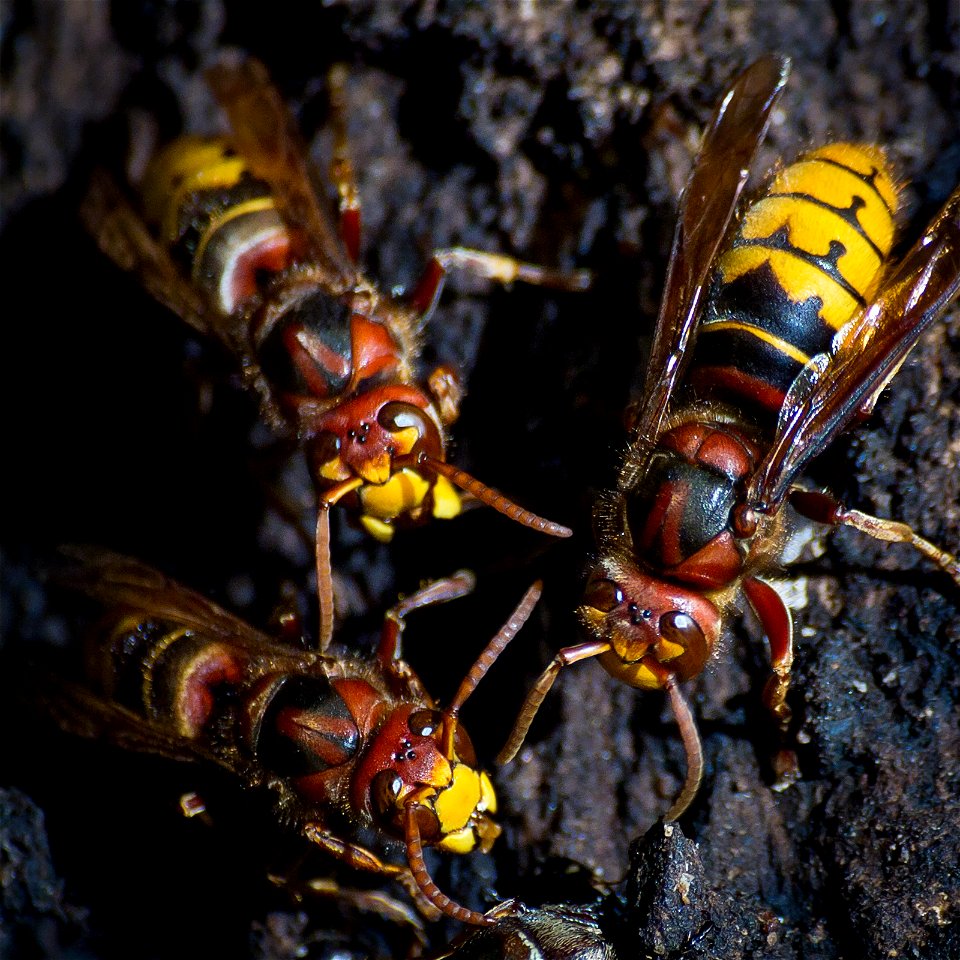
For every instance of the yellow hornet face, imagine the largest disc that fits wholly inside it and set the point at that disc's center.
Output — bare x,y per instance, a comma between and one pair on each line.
404,495
406,769
461,809
655,629
369,449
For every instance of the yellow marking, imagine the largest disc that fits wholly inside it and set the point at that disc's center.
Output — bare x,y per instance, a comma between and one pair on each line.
799,279
405,440
776,342
435,781
838,187
812,229
446,499
377,529
376,469
461,841
188,165
486,832
488,797
636,674
402,493
864,158
256,205
456,805
221,176
666,650
335,469
180,159
150,661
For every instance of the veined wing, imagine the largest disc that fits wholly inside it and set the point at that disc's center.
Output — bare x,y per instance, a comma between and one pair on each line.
263,132
709,199
865,355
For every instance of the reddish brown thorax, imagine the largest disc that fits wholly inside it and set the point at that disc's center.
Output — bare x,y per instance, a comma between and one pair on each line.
680,515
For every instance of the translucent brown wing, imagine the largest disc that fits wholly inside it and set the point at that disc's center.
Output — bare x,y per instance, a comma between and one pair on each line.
79,711
709,199
865,355
263,132
115,581
123,236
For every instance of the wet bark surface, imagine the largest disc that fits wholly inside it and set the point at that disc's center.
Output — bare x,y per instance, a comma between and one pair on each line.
561,133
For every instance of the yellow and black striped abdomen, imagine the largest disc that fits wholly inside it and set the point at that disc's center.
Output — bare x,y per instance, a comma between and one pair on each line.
161,670
219,222
806,257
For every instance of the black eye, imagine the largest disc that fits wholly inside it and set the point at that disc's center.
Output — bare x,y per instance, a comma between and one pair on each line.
682,629
603,594
424,722
396,416
384,790
637,616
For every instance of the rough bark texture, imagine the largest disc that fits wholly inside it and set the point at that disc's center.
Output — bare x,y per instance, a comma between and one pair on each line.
561,132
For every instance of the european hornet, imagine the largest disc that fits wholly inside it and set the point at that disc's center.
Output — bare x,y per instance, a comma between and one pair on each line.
340,743
775,333
234,238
